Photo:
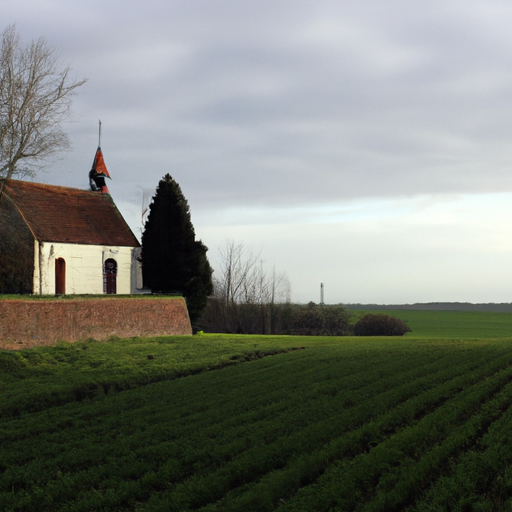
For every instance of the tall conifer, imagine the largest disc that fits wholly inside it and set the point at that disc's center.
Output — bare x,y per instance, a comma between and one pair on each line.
173,261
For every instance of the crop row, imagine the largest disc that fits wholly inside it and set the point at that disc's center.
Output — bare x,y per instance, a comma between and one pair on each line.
354,445
338,426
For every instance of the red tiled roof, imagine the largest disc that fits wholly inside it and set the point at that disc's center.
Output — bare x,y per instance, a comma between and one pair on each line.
70,215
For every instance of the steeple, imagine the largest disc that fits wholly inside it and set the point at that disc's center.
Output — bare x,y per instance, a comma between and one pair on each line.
99,171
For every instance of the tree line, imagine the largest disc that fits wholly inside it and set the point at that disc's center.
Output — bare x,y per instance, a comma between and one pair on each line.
249,299
241,296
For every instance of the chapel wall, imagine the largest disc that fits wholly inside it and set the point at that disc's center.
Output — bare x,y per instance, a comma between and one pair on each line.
84,268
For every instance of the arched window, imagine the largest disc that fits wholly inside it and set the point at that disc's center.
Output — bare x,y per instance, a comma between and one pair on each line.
60,276
109,276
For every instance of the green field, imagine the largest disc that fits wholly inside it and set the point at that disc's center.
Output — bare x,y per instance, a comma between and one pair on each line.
452,324
253,423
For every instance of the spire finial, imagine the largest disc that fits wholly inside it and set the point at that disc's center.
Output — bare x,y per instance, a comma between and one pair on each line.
99,134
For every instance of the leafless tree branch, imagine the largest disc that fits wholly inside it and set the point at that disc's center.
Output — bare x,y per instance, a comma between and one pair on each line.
35,97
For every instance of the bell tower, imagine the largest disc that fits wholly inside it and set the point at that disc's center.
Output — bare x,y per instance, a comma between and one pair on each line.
99,171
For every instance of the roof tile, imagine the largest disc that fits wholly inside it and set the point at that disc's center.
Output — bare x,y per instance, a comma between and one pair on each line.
70,215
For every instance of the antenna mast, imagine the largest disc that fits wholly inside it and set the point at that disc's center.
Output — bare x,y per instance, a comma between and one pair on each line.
321,293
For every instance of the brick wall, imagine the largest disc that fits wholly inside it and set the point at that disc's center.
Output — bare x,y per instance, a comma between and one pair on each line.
28,323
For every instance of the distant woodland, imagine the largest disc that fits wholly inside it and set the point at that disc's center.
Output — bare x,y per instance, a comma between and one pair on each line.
504,307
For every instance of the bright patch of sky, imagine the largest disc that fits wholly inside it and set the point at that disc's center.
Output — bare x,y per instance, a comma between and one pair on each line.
420,249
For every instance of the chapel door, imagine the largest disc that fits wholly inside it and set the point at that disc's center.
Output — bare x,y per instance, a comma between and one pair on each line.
60,276
110,276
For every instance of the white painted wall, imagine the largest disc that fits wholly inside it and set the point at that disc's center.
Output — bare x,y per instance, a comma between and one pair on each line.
84,267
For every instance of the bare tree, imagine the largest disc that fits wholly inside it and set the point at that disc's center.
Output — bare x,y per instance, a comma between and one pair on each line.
249,300
244,292
280,288
233,280
35,96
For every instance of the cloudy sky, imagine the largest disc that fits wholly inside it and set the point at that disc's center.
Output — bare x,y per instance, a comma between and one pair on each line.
362,144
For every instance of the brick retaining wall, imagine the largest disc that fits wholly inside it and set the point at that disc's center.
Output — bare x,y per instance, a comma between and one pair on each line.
28,323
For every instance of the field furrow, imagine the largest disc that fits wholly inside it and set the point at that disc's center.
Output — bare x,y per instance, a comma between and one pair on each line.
345,484
346,424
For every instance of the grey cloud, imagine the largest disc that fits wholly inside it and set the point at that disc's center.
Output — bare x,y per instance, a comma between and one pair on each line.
294,102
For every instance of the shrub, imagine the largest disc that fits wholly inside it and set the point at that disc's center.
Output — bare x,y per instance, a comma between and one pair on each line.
311,319
380,324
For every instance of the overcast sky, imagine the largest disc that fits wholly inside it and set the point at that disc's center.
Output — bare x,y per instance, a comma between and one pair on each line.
362,144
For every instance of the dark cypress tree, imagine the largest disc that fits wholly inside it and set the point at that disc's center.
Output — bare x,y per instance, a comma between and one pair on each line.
172,260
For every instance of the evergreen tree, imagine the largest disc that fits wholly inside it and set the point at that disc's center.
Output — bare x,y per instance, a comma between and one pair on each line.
172,260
